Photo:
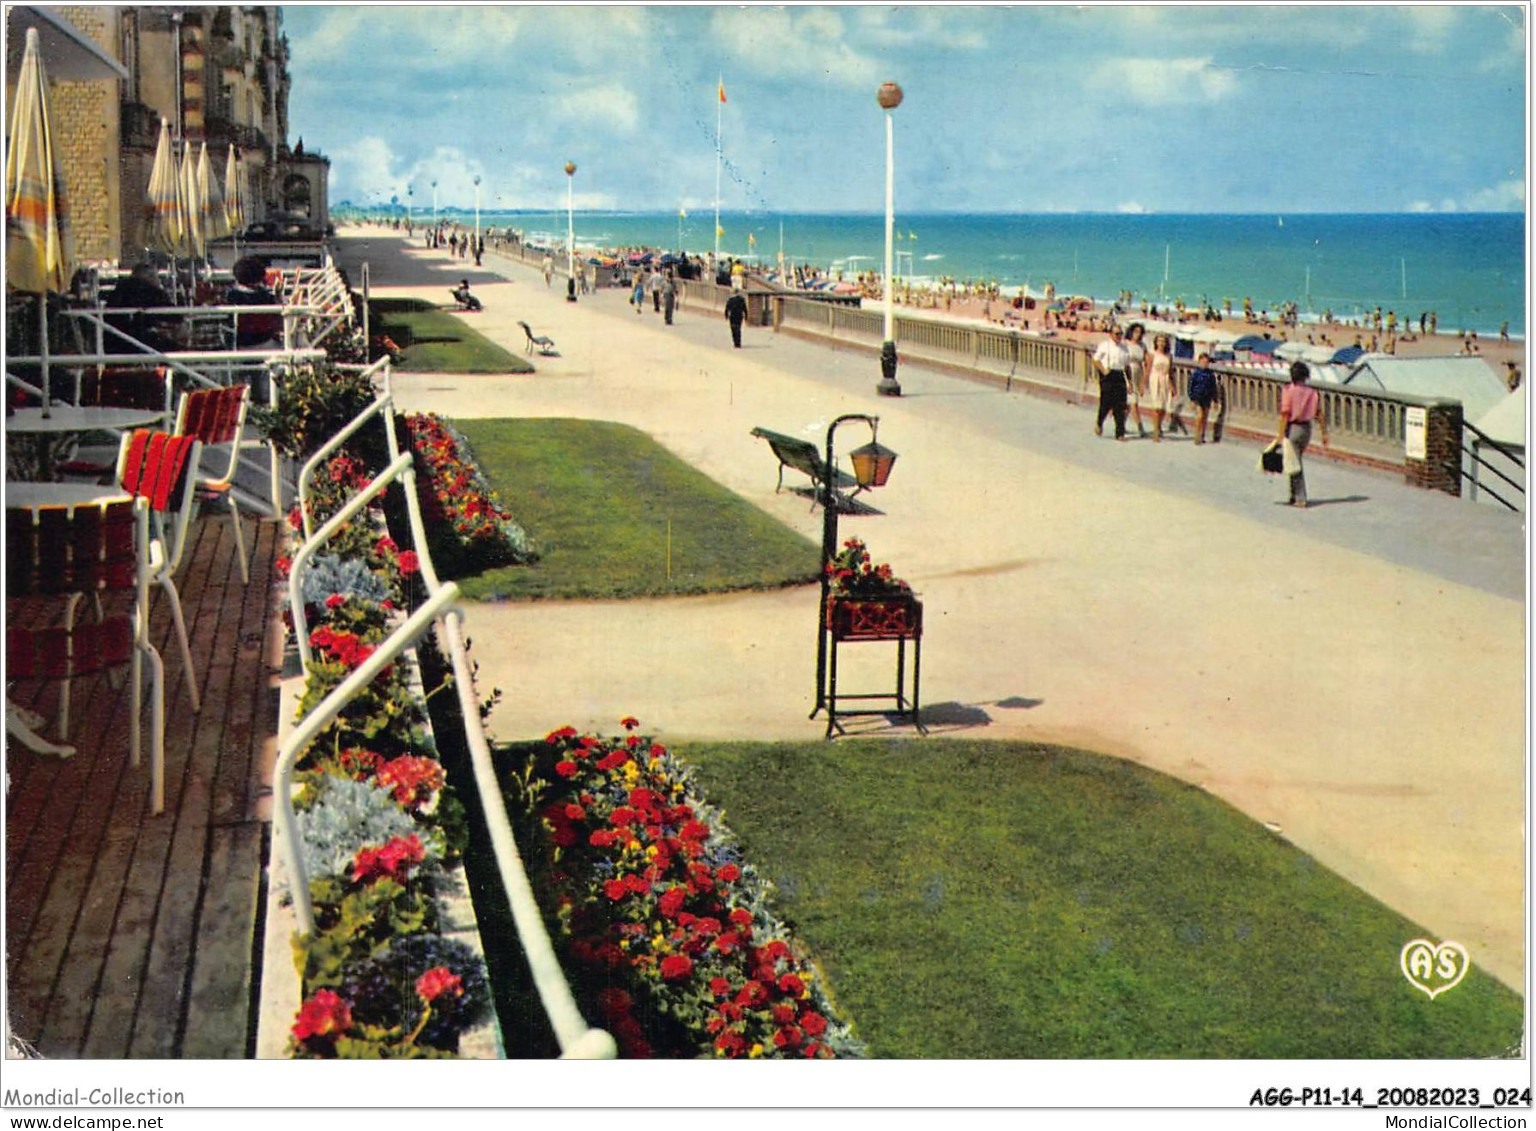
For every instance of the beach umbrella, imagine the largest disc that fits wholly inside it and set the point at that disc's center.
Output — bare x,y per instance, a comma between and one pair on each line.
215,218
1347,356
39,250
164,205
234,197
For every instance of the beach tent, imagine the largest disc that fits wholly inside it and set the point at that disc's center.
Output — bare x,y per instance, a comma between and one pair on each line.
1505,422
1470,380
1347,356
1253,343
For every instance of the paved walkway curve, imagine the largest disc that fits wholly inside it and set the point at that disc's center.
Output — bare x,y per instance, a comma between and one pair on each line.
1352,674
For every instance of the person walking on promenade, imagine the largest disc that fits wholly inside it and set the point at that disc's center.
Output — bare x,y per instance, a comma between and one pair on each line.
1300,405
549,269
1110,360
1159,381
668,297
653,284
1136,372
736,314
637,296
1204,391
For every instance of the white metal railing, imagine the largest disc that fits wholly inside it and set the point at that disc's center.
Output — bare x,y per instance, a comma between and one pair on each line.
577,1039
383,403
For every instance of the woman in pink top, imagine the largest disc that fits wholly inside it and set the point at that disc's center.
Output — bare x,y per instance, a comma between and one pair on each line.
1300,405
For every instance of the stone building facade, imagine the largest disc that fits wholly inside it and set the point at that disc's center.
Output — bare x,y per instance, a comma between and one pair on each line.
215,73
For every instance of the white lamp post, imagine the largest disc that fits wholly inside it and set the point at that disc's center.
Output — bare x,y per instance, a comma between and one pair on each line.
570,231
889,97
477,211
434,202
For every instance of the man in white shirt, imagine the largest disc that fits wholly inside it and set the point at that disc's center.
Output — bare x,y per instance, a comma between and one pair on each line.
1110,360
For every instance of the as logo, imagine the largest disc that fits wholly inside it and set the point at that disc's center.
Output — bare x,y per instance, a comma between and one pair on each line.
1434,967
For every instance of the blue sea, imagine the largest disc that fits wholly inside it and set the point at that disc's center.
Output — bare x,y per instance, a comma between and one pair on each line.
1469,268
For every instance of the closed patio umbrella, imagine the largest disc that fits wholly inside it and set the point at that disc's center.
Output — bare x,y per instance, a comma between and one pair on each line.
165,227
234,195
197,239
215,218
39,250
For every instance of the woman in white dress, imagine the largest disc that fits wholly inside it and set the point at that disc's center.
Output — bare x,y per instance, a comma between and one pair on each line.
1136,372
1159,383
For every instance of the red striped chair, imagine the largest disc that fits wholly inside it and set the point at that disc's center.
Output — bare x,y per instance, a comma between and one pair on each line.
217,418
72,552
114,388
162,469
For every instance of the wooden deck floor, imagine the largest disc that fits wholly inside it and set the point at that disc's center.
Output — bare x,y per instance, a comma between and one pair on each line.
131,935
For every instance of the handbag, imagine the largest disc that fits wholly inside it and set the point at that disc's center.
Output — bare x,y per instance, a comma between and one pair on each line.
1271,459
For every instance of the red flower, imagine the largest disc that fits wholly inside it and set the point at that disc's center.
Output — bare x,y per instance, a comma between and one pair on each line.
787,1037
615,889
753,993
600,838
438,981
393,861
729,873
675,967
385,545
791,984
783,1014
323,1015
719,986
671,901
575,812
693,830
566,769
740,916
335,601
409,563
563,733
636,883
629,722
813,1023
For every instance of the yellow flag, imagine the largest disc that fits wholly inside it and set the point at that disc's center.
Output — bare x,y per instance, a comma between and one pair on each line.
719,231
751,240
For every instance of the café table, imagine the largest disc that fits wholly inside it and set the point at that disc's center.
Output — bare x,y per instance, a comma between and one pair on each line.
52,433
21,724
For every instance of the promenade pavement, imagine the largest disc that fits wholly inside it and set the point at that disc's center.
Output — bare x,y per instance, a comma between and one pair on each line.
1352,675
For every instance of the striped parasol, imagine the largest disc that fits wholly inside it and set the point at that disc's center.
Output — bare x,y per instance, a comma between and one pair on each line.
39,249
197,239
234,193
214,216
165,226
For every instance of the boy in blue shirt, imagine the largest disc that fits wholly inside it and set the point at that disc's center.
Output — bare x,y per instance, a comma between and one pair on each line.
1205,391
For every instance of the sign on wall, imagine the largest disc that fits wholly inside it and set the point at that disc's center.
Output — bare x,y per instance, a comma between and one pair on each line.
1414,443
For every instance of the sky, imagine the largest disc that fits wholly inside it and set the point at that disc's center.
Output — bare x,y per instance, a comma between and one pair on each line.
1023,108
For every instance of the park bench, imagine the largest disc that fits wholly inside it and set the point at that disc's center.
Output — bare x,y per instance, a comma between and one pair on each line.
796,453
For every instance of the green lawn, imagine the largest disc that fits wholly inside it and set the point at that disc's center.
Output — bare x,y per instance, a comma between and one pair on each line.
1008,900
435,341
614,514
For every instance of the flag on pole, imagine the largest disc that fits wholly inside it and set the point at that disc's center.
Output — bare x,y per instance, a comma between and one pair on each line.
722,90
719,231
751,239
912,236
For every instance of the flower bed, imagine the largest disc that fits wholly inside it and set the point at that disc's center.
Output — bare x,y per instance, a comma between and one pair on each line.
377,820
668,927
469,528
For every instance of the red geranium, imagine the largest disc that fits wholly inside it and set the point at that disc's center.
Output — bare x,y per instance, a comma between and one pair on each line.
324,1015
675,967
439,981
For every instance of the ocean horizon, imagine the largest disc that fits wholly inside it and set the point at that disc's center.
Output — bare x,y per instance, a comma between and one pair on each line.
1468,268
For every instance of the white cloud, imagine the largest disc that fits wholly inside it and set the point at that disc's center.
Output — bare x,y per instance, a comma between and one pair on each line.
1429,28
1507,196
924,27
795,43
364,169
1164,82
610,104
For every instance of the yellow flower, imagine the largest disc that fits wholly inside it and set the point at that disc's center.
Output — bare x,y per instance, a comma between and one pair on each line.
634,845
659,943
650,852
755,1051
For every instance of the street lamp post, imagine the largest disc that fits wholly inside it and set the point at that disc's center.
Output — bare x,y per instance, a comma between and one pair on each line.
434,202
570,232
477,210
410,200
871,468
889,97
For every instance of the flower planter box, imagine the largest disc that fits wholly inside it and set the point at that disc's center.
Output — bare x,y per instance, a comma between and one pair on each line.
875,618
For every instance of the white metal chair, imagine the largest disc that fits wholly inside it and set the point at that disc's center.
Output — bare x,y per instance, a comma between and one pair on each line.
162,469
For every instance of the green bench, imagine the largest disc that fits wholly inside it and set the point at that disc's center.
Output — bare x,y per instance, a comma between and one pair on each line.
796,453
